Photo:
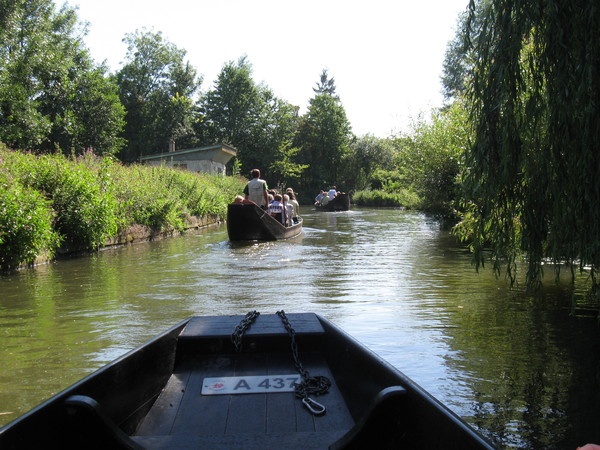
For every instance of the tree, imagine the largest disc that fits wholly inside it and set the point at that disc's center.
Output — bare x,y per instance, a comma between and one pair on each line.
431,158
283,169
325,85
247,116
52,95
323,136
271,135
533,182
231,107
459,60
157,88
365,155
456,65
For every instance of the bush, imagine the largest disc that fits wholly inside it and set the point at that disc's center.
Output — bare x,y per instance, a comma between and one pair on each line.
85,209
25,224
85,201
404,198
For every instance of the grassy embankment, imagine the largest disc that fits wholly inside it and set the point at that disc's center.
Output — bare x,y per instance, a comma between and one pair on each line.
50,202
404,199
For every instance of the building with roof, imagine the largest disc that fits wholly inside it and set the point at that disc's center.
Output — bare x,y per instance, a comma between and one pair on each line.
211,159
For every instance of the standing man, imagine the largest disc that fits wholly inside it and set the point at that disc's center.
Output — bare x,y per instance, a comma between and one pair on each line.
256,190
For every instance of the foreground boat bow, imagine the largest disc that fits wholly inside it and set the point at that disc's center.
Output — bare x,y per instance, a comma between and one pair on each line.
190,388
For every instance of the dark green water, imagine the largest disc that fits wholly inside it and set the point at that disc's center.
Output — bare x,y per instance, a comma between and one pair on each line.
525,373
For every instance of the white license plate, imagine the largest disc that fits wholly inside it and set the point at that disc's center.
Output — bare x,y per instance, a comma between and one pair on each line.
250,384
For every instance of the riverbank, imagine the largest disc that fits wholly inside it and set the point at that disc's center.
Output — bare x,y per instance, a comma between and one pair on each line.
404,198
52,205
139,233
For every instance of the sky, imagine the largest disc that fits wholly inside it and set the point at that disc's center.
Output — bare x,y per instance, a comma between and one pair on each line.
385,56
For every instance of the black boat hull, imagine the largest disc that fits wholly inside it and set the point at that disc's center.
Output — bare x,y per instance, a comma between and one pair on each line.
248,222
151,397
339,203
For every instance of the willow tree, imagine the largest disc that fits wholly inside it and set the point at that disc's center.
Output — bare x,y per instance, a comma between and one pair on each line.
534,168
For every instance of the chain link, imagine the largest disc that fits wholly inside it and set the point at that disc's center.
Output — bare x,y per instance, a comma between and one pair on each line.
238,333
309,385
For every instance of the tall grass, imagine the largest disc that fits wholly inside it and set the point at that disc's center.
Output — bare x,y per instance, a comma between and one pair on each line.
81,202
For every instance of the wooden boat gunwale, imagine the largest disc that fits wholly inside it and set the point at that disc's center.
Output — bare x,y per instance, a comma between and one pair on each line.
127,400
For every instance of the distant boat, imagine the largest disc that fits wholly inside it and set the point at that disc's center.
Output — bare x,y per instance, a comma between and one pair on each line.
190,388
249,222
340,202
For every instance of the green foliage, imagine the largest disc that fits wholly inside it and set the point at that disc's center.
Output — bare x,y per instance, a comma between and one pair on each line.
535,165
25,223
236,167
324,136
366,156
52,96
161,198
430,158
389,180
248,116
157,88
84,209
284,170
459,59
230,108
83,201
403,198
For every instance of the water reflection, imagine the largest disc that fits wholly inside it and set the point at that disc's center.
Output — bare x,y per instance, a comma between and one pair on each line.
525,373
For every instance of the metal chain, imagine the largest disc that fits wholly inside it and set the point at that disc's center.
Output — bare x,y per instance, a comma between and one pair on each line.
309,385
238,333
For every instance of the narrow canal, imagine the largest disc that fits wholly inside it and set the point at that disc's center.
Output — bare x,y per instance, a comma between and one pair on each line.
525,373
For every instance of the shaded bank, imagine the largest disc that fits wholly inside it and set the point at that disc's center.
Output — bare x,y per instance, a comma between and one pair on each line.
136,234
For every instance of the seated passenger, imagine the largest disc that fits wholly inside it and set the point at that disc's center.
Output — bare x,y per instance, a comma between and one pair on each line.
241,200
276,209
289,211
324,200
319,197
332,193
296,205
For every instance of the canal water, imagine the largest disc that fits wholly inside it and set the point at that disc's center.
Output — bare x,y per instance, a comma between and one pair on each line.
524,372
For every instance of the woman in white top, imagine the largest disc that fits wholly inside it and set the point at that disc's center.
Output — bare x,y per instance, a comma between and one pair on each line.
294,203
289,210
